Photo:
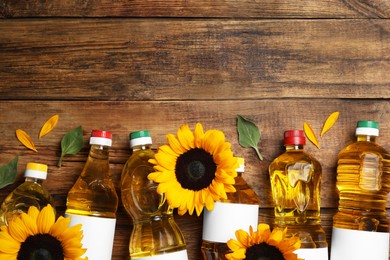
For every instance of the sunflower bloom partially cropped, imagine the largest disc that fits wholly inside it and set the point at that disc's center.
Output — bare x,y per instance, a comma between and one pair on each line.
194,169
37,235
263,244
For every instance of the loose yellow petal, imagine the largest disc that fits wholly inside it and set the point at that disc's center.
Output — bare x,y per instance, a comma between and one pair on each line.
25,139
330,121
310,134
48,126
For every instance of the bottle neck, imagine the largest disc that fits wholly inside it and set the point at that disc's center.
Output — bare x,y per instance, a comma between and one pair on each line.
290,147
34,180
140,147
97,164
366,138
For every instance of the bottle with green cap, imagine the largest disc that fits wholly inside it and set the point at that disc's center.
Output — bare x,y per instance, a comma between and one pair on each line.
30,193
360,227
93,202
295,178
155,234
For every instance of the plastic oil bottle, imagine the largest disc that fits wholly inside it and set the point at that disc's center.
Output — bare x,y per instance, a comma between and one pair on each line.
296,185
30,193
93,202
155,234
239,211
360,227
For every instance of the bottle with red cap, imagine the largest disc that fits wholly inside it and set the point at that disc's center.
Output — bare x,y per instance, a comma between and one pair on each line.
361,226
295,179
30,193
93,202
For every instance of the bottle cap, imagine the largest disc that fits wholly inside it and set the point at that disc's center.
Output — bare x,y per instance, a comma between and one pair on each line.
100,137
36,170
241,164
294,137
141,137
367,127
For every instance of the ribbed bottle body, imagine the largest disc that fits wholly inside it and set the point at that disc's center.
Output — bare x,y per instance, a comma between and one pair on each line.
363,182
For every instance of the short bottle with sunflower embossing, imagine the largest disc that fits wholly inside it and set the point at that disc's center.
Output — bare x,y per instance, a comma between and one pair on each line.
93,202
30,193
239,211
295,178
361,226
155,234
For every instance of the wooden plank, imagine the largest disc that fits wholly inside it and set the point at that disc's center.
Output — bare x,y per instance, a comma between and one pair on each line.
116,59
198,8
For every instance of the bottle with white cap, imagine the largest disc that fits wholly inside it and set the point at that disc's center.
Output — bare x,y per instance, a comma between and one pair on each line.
361,227
30,193
155,234
93,202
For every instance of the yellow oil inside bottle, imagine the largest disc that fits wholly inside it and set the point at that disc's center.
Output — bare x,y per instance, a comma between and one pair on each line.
363,182
155,231
93,194
295,178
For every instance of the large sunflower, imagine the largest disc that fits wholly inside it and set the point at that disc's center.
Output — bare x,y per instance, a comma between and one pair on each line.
263,244
194,169
36,235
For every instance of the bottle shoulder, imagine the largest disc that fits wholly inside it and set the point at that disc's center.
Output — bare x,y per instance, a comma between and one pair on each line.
363,146
295,156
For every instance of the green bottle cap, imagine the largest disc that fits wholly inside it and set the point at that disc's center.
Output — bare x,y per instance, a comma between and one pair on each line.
367,127
141,137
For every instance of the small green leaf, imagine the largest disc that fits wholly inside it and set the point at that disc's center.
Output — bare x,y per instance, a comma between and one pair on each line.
8,172
248,134
71,143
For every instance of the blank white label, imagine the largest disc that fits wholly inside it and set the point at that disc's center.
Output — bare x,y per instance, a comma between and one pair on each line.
181,255
313,253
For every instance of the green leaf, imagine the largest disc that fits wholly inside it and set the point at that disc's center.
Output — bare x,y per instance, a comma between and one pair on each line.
248,134
71,143
8,172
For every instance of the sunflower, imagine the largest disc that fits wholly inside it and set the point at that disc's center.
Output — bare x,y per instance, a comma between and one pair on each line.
263,244
194,169
36,235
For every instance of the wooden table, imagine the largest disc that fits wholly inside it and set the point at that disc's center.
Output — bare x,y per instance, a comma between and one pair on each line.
129,65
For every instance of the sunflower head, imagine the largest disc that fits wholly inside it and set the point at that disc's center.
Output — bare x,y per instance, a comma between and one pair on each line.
263,244
194,169
36,235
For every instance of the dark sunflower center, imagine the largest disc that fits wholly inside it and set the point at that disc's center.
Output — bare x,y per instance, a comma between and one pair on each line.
195,169
263,251
41,247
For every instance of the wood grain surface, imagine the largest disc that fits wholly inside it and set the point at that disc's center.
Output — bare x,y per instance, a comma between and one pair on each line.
129,65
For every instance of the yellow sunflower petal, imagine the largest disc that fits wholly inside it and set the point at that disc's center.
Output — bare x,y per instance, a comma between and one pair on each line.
174,143
46,219
8,244
59,226
212,141
166,161
18,230
33,212
198,135
186,137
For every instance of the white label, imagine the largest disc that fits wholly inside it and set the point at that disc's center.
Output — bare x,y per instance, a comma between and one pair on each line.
181,255
313,253
359,245
98,235
220,224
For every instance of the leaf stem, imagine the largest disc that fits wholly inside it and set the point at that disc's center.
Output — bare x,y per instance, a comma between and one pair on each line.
258,153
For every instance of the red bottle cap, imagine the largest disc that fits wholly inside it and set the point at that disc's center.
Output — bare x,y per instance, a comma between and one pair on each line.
100,137
294,137
101,133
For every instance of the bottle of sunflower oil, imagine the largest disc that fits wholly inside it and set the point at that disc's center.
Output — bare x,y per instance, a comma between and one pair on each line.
93,202
295,178
239,211
360,227
155,234
30,193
